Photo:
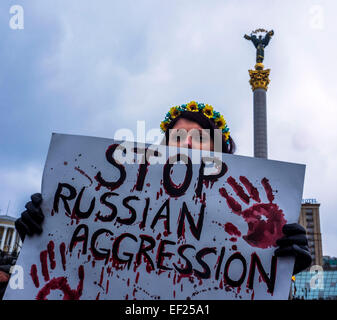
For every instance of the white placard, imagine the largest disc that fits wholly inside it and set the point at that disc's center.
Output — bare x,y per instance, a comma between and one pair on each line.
186,227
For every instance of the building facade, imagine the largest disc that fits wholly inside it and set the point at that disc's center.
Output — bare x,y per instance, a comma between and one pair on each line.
320,280
310,220
10,241
317,284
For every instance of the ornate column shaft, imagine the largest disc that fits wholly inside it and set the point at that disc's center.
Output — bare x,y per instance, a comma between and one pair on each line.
259,80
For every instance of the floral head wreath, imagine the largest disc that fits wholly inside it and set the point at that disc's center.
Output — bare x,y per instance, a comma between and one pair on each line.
206,109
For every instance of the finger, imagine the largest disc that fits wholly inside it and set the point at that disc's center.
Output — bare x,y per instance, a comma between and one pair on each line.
253,192
299,239
301,253
232,203
36,198
285,252
31,224
35,212
238,189
22,228
303,259
292,229
268,189
301,250
292,250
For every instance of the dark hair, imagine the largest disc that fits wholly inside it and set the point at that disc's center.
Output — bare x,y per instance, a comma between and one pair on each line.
204,123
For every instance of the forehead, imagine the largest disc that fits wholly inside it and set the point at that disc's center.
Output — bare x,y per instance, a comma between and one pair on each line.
186,124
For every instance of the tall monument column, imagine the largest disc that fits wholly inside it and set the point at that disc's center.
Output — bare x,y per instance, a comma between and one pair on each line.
259,80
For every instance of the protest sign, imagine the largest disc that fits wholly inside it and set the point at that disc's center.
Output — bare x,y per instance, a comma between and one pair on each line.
128,222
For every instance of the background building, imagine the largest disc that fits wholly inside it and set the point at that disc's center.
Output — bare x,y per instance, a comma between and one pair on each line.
310,220
317,284
319,281
10,241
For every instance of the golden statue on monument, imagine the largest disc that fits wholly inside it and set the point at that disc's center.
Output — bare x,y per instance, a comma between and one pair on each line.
259,78
260,42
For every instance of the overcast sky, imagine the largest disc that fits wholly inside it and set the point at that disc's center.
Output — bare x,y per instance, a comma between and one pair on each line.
80,67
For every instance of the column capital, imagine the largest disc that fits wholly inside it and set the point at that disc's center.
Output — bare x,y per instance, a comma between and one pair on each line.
259,78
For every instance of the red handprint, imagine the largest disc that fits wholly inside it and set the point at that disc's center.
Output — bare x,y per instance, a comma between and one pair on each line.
265,220
60,283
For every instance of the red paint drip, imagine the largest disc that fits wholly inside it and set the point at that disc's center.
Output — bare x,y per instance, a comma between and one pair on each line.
63,255
44,266
33,274
102,275
232,230
203,198
107,286
84,174
166,233
51,253
180,276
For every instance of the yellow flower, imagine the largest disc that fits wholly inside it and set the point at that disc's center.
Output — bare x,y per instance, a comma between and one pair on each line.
226,134
220,122
164,125
208,111
192,106
174,112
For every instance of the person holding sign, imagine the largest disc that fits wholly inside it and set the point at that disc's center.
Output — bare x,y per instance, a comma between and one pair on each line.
198,117
198,126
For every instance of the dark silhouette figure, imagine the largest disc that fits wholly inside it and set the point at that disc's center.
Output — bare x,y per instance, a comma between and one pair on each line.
260,43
